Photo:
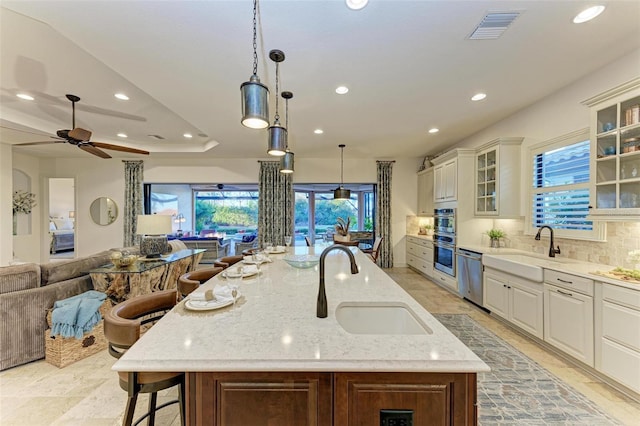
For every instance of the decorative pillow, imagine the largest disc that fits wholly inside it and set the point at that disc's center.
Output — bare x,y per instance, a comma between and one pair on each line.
52,226
248,238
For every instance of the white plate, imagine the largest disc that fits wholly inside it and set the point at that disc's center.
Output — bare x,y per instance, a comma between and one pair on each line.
202,305
244,274
276,251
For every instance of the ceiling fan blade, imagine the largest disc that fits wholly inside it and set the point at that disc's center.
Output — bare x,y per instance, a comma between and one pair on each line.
93,150
119,148
40,142
80,134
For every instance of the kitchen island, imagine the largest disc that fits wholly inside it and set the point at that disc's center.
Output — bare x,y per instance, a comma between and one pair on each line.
270,360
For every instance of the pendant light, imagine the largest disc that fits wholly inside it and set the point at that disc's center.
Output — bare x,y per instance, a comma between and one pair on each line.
277,133
286,161
255,95
340,193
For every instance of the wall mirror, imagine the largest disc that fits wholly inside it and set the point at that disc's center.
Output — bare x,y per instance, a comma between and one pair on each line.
103,211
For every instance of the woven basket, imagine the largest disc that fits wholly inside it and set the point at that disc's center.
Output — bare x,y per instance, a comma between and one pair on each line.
62,351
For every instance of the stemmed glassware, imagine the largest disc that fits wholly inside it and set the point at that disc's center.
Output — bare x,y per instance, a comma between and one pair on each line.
234,277
287,240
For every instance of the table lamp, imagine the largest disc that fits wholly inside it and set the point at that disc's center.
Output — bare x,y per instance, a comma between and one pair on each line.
154,229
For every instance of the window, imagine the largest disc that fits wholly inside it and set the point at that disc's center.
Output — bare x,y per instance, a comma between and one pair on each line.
560,187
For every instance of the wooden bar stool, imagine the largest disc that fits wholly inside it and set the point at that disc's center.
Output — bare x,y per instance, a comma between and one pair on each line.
122,329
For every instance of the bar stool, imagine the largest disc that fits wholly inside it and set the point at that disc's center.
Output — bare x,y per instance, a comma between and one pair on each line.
225,262
191,280
122,329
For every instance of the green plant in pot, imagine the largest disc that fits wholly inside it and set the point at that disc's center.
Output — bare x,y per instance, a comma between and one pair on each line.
495,235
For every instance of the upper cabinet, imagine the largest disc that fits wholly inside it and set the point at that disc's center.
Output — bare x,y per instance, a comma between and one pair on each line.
425,192
615,153
445,178
497,189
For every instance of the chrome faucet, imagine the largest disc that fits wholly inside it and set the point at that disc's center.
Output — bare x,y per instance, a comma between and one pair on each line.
552,251
321,308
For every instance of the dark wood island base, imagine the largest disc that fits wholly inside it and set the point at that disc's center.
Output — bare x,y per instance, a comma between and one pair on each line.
324,399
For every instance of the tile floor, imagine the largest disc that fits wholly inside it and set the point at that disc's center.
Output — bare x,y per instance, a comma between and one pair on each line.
87,393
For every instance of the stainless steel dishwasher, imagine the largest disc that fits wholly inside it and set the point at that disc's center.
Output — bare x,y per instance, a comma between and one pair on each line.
470,275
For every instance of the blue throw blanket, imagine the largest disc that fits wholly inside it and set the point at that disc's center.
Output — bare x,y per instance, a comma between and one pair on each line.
77,315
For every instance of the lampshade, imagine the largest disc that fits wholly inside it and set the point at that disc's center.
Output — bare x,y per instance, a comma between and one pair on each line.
154,224
286,162
277,140
340,193
255,103
72,214
255,95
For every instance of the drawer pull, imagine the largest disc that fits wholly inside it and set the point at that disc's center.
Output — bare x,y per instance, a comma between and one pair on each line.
564,281
565,293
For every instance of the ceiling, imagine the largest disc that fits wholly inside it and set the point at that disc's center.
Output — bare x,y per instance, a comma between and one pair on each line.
408,64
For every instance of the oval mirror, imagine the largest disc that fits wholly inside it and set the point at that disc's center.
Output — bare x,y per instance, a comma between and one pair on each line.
103,211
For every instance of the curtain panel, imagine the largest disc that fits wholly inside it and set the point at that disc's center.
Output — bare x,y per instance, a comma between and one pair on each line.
275,204
383,213
133,199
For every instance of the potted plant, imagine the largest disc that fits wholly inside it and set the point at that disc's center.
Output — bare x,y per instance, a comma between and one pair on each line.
342,229
495,235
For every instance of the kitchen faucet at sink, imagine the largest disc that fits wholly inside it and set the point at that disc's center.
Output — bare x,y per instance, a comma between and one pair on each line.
321,308
552,251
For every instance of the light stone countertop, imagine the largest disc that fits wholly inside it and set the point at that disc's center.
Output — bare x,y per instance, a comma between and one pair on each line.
274,327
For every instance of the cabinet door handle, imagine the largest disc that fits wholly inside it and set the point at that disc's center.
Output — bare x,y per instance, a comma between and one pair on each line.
565,293
564,281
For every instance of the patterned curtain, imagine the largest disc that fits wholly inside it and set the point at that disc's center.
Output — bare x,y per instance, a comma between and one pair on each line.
133,199
275,204
383,213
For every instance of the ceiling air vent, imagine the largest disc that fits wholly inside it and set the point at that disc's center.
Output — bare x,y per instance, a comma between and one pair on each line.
158,137
493,25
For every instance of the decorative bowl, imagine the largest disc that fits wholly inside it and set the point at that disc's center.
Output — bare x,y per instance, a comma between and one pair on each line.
302,261
123,261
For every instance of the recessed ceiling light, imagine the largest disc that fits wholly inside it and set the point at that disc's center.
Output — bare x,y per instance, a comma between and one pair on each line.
588,14
356,4
318,131
434,130
341,90
478,96
188,135
121,96
25,96
122,135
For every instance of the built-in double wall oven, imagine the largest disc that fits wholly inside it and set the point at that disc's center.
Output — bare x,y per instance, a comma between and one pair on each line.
444,241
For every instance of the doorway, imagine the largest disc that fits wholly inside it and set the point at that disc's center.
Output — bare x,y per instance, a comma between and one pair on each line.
62,219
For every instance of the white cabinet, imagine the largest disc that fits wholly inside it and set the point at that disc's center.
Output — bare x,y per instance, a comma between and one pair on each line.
420,254
515,299
446,281
445,181
615,153
617,341
497,190
425,192
568,315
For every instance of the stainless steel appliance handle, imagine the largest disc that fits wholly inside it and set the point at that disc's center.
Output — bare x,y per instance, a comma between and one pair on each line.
468,256
445,245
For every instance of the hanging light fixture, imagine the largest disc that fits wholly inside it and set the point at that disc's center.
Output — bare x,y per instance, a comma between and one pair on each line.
340,193
277,133
286,161
255,95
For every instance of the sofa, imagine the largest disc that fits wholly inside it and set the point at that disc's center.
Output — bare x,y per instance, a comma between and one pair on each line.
214,247
27,292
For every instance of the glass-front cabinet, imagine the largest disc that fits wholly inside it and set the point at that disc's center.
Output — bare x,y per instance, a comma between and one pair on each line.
498,178
615,166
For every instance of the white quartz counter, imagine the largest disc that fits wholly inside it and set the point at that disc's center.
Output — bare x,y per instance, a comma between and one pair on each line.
274,327
562,264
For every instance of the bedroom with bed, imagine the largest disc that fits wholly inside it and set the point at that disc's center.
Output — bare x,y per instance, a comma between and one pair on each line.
61,218
62,235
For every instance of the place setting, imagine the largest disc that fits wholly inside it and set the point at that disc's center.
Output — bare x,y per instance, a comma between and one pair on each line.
212,299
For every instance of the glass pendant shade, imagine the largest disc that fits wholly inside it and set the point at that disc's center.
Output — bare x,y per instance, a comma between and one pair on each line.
341,194
255,104
286,162
277,140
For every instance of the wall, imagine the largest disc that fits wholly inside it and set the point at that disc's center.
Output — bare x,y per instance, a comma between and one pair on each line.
61,197
6,214
24,244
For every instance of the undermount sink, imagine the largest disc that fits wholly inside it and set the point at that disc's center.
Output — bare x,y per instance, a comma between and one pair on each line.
379,318
522,265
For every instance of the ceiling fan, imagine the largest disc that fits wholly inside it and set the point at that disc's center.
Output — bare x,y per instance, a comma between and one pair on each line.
81,138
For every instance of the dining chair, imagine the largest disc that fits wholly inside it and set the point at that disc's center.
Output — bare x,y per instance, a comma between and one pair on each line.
374,251
192,280
122,329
